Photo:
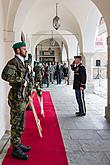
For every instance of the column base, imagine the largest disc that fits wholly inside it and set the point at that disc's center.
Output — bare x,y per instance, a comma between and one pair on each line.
107,113
90,87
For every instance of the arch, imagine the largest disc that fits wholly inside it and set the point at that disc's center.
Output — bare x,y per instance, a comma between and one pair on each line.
70,23
16,9
104,9
37,39
90,30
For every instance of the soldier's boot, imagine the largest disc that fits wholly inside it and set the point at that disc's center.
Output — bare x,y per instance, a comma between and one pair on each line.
24,148
29,108
19,154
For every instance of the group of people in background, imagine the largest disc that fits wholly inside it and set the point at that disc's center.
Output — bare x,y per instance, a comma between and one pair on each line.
49,73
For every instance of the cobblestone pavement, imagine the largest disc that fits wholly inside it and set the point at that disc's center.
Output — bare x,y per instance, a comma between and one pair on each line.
87,138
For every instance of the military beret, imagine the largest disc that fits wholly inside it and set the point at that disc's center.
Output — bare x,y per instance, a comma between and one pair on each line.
77,57
19,45
36,63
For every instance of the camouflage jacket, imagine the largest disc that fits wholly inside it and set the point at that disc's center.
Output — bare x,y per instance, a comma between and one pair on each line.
38,74
14,72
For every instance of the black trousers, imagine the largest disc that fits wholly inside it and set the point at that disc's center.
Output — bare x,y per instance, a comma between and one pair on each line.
80,100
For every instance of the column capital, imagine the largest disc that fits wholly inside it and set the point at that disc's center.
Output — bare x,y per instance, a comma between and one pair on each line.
9,36
108,40
88,54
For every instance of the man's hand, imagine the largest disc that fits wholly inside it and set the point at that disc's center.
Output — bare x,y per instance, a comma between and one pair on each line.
81,88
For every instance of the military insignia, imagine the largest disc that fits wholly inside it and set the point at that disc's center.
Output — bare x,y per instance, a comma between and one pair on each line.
77,69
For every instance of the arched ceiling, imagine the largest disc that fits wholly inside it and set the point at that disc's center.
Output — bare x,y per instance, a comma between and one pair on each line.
104,7
37,16
10,8
34,16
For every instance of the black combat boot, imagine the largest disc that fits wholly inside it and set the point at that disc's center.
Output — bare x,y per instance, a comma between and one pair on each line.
29,108
19,154
24,148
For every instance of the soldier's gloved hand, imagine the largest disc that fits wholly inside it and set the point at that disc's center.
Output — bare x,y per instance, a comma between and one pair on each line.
29,68
25,84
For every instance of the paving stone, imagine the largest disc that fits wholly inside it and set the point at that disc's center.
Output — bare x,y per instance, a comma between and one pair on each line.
108,155
83,134
89,158
105,134
95,145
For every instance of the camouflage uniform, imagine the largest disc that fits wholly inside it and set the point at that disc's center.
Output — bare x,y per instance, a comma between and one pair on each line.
38,73
15,72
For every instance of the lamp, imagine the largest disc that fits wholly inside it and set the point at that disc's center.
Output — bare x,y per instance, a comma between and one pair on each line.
56,19
52,41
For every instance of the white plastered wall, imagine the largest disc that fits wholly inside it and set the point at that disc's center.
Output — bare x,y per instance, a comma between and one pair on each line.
3,94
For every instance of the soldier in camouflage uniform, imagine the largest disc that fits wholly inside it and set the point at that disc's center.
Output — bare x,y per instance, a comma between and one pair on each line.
15,73
38,73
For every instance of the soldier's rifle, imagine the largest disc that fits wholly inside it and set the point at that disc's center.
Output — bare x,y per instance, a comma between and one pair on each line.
35,116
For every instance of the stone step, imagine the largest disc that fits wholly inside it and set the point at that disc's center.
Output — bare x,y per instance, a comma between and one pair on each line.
4,140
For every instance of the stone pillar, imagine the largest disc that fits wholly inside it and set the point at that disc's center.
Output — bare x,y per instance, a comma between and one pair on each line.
8,53
107,109
8,41
89,69
71,73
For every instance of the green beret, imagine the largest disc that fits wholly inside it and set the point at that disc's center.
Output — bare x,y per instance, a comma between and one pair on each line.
19,45
36,63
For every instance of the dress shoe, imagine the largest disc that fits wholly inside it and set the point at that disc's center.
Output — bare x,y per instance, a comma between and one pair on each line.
81,114
29,108
24,148
77,113
19,154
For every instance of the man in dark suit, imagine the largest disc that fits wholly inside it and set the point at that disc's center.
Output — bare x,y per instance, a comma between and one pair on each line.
79,84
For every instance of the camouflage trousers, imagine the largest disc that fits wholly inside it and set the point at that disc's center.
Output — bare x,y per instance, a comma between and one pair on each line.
17,115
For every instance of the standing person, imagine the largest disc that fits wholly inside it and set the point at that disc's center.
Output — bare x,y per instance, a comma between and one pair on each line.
38,73
15,73
52,71
58,73
79,84
46,74
65,71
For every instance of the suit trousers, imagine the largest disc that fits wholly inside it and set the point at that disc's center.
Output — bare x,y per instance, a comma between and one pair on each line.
80,100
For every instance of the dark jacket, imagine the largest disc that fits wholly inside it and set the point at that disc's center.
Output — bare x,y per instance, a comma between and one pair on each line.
79,76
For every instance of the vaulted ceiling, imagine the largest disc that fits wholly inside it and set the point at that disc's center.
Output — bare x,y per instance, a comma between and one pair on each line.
35,16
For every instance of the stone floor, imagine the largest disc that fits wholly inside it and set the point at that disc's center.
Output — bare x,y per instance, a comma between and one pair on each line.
86,139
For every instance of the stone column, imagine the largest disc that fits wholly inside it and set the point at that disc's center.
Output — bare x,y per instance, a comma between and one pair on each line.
8,53
71,73
107,109
89,69
8,41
